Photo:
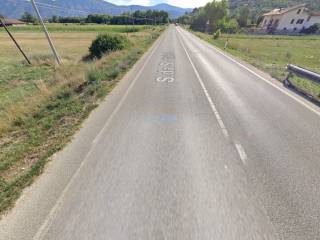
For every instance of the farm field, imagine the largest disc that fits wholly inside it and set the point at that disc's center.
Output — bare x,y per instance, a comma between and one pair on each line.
43,105
57,27
273,53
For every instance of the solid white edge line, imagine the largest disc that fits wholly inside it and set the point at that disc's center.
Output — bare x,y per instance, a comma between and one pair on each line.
46,224
262,78
206,93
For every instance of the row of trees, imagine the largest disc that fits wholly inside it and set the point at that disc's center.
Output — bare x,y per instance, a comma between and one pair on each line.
216,15
28,18
211,17
137,17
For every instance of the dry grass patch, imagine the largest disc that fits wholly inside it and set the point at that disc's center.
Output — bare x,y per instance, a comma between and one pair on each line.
42,106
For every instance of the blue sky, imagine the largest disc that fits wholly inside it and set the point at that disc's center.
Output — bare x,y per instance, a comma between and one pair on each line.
179,3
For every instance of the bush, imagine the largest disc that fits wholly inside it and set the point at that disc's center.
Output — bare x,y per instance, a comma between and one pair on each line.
107,43
217,34
312,29
230,26
131,30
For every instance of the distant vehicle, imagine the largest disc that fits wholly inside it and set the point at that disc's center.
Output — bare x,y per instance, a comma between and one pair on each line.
177,24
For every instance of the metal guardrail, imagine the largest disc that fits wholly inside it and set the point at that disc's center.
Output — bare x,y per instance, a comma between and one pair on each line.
302,72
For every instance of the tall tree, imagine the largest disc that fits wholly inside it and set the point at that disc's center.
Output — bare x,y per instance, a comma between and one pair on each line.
244,16
210,16
28,18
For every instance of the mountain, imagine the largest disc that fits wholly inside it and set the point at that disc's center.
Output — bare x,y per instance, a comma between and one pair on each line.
174,11
259,6
48,8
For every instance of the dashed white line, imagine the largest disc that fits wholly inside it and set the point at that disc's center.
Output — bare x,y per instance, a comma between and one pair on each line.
242,153
264,79
212,105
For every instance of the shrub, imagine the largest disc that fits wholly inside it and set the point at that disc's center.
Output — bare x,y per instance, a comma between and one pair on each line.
217,34
107,43
312,29
227,26
230,26
131,30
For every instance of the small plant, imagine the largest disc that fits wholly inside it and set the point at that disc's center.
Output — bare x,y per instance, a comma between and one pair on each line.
107,43
131,30
288,56
217,34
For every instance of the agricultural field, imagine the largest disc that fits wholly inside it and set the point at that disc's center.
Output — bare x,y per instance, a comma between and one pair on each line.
273,53
70,27
43,105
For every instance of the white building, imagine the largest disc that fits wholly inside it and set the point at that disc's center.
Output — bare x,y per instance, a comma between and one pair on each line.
292,19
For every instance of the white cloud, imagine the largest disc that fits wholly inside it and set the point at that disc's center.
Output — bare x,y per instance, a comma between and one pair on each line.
178,3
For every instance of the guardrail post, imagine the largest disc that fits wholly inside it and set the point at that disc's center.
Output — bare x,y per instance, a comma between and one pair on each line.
287,81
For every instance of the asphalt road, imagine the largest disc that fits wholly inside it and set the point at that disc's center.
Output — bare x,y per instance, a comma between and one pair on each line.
190,145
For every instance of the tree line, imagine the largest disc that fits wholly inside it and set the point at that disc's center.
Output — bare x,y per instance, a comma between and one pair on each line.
215,16
212,17
137,17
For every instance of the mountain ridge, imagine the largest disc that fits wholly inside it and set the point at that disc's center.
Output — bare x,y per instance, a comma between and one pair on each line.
48,8
267,5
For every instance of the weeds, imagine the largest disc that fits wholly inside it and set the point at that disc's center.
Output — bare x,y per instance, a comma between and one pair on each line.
54,111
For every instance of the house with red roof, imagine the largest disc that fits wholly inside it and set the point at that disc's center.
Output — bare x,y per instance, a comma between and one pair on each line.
12,22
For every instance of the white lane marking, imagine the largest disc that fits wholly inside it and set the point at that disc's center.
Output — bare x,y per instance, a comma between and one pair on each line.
242,153
212,105
48,221
264,79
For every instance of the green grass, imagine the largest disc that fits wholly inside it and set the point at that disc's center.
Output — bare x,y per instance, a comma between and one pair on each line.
273,53
47,104
55,27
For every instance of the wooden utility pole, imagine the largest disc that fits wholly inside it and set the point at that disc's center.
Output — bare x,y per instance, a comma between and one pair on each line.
55,53
15,42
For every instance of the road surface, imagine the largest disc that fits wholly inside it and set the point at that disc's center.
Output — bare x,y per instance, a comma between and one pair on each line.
190,145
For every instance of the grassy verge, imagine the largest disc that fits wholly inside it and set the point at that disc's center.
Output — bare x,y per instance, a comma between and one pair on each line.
45,105
273,53
56,27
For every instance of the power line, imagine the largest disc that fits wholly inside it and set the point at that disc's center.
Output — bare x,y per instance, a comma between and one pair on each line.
3,23
58,7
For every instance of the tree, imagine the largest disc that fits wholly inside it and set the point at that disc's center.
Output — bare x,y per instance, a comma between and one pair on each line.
229,26
185,19
244,16
55,19
98,18
28,18
210,17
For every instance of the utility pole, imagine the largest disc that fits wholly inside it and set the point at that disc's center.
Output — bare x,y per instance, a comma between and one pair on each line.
15,42
55,53
131,15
